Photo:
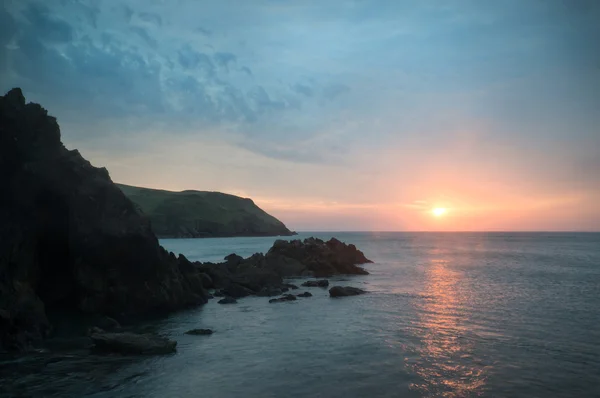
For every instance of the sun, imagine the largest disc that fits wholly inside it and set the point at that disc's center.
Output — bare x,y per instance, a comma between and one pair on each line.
438,211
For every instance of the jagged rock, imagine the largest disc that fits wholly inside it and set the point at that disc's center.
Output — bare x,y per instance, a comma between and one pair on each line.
207,281
199,332
305,294
70,239
291,286
228,300
287,297
106,323
343,291
319,283
321,258
133,344
218,293
237,291
95,330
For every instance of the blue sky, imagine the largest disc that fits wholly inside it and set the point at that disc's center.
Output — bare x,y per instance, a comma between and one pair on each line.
330,114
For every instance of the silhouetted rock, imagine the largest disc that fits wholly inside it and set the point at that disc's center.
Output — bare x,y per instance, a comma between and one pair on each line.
342,291
133,344
70,239
227,300
237,291
291,286
305,294
106,323
199,332
319,283
287,297
318,257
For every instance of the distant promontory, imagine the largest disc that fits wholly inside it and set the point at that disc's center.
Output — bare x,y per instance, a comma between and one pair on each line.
202,214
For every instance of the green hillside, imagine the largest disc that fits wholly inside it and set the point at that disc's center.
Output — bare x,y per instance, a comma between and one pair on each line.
199,214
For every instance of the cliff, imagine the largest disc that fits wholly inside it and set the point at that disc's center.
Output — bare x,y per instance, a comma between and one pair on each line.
70,239
200,214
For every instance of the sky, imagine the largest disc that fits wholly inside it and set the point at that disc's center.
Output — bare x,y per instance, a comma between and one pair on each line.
331,115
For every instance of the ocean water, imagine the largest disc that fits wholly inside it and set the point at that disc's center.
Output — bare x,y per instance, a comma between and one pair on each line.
447,315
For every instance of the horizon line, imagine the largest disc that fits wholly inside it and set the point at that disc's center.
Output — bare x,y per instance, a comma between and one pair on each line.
447,231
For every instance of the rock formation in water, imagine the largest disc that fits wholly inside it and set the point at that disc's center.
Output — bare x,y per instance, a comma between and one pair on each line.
201,214
343,291
70,239
263,275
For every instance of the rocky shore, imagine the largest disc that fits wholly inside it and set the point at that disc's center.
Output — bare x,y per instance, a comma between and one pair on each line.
71,241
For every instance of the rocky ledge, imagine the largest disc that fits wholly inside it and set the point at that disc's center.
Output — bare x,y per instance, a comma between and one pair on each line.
132,343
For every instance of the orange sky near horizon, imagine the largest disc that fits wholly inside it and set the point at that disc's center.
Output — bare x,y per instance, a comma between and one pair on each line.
478,195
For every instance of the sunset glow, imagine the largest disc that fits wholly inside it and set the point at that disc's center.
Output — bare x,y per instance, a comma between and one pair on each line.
439,211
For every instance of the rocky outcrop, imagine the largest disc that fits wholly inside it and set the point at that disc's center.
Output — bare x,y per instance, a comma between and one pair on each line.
228,300
133,344
343,291
305,294
321,258
70,239
199,332
284,298
318,283
263,275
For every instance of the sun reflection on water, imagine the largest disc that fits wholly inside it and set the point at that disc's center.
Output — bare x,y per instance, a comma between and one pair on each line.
444,362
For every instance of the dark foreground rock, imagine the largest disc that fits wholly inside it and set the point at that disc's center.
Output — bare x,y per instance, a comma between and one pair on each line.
70,239
343,291
305,294
133,344
199,332
319,283
228,300
282,299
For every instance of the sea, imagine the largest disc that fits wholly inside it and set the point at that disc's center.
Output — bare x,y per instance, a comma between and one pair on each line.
446,315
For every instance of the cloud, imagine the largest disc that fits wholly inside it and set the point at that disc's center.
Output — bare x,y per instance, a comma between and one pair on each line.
150,18
144,35
50,28
352,84
223,59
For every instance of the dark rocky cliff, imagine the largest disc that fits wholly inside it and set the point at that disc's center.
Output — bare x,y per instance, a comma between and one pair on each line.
69,238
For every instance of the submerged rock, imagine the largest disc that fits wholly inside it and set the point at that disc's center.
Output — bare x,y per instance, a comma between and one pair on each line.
342,291
228,300
305,294
133,344
199,332
319,283
287,297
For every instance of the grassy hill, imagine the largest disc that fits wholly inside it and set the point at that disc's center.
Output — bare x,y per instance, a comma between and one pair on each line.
198,214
